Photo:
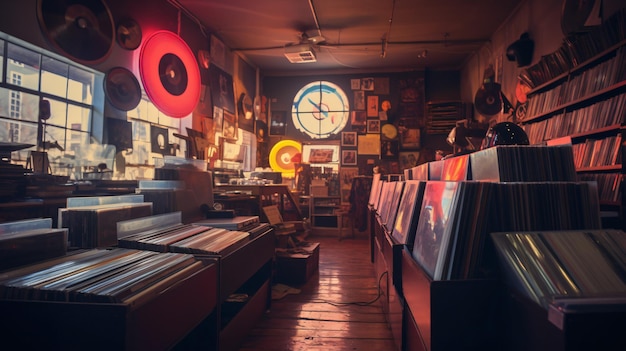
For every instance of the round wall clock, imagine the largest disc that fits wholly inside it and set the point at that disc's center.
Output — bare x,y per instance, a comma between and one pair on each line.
320,109
389,131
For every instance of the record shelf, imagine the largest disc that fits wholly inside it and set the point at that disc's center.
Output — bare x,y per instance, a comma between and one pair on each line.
578,96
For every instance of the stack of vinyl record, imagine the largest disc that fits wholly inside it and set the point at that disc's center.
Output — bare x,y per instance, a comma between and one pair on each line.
524,163
96,226
543,265
26,246
101,276
451,240
187,238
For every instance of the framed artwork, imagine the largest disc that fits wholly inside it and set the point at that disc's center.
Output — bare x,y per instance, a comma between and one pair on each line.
408,159
359,100
367,84
373,126
348,138
355,84
389,150
159,140
278,122
358,118
410,138
348,157
369,144
372,106
222,89
359,129
229,125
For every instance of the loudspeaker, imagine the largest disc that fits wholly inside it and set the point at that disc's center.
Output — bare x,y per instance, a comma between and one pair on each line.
44,109
521,51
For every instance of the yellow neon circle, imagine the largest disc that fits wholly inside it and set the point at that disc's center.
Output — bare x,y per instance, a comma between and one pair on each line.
281,146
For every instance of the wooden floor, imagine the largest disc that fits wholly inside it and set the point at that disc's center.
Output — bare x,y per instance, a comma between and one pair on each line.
337,309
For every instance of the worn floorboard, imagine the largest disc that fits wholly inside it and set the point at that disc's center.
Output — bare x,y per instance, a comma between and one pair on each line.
337,309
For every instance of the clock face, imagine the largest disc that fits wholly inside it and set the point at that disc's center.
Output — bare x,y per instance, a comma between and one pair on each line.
389,131
320,109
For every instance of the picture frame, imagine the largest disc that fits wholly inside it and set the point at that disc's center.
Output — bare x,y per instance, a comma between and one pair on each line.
355,84
408,159
369,144
278,122
389,150
410,138
359,100
367,84
348,139
229,125
373,126
358,118
348,157
372,106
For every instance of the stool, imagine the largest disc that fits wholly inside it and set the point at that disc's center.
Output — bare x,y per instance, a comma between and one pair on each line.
342,216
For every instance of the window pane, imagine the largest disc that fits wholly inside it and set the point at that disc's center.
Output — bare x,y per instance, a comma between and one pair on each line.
54,76
18,132
78,118
81,85
22,67
19,105
58,113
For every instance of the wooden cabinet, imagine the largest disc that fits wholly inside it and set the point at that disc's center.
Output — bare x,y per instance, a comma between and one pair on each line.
585,106
324,213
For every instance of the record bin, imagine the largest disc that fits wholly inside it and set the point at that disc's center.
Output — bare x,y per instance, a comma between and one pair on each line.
160,321
448,314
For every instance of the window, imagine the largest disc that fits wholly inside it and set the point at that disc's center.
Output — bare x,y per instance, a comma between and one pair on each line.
29,75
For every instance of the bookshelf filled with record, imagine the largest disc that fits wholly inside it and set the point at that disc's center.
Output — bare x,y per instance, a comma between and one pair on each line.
578,96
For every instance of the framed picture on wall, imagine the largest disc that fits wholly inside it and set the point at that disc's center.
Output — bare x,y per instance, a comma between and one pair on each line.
355,84
348,138
348,157
359,100
229,127
278,122
410,138
373,126
372,106
408,159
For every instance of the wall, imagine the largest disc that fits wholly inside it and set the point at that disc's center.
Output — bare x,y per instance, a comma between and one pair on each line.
438,86
542,20
19,19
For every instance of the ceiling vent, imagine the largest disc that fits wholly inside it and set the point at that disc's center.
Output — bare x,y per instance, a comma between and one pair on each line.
300,53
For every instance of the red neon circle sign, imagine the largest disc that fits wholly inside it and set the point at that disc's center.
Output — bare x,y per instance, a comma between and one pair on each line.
156,47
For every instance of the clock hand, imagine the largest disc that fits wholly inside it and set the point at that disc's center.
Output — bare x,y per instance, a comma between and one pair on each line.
318,107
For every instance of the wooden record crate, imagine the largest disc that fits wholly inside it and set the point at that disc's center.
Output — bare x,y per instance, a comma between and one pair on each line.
160,321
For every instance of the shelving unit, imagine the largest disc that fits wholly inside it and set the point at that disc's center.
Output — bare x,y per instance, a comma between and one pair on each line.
585,106
323,214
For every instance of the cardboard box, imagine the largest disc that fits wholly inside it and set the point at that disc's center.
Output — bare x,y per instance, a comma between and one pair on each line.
296,266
